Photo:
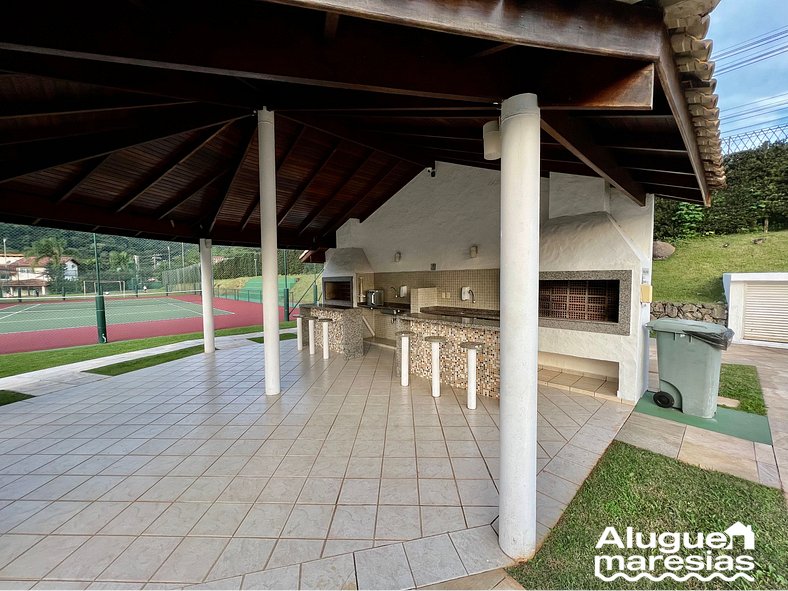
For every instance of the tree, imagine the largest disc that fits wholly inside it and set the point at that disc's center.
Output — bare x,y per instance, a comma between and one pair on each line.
51,248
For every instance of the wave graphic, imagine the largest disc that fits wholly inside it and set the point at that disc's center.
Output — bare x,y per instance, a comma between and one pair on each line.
680,579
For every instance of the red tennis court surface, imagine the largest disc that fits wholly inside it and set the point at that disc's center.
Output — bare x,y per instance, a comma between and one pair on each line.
241,314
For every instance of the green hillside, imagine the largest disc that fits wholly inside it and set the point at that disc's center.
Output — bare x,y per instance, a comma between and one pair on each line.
694,272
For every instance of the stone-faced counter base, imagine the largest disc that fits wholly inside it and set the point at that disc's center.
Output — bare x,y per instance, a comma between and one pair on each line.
453,359
345,333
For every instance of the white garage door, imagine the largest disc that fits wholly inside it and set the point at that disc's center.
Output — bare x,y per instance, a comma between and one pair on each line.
766,312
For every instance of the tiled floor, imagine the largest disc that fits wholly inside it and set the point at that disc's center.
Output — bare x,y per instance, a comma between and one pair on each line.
185,474
714,451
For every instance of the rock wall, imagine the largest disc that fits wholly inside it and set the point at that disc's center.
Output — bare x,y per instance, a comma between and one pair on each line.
717,313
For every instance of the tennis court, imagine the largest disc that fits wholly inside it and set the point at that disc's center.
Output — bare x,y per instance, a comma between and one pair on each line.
48,314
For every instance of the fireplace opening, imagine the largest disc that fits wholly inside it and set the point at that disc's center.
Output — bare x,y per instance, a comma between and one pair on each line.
583,300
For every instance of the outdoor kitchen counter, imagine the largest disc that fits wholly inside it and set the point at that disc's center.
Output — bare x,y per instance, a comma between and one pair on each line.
453,359
345,333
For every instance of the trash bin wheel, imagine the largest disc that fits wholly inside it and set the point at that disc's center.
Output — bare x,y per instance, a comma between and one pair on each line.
664,399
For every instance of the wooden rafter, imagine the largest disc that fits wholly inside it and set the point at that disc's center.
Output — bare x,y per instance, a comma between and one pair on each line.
573,134
326,201
307,183
235,169
168,208
340,218
83,107
23,159
81,178
181,155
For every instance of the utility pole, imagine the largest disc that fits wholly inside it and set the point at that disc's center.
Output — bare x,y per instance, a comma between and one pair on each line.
169,269
287,290
101,315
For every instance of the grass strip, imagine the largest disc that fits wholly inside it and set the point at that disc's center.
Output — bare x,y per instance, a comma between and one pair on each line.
9,396
285,336
12,364
741,383
117,369
653,493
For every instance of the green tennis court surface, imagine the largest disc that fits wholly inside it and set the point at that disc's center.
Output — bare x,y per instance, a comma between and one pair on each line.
32,315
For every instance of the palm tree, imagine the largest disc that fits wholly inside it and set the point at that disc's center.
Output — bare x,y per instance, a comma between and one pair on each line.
121,261
53,249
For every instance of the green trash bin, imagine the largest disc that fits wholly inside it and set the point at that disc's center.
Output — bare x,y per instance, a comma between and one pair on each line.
689,354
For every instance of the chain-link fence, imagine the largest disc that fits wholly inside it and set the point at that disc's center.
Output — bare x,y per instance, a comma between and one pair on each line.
49,280
751,140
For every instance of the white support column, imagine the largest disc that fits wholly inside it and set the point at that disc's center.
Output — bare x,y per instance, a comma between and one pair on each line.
206,286
404,374
325,339
268,243
299,333
436,369
519,335
311,336
471,401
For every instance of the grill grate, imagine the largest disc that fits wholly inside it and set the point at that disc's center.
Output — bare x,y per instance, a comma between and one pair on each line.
586,300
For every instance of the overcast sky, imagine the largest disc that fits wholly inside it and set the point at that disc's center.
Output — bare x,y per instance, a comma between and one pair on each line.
732,23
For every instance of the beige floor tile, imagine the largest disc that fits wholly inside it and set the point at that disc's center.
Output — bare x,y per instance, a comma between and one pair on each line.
140,560
190,561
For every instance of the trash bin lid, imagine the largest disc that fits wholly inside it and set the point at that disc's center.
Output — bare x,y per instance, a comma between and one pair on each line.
678,325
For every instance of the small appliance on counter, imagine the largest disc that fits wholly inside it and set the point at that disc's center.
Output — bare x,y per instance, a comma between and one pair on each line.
375,297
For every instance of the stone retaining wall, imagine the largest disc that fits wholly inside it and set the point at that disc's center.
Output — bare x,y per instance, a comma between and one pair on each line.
717,313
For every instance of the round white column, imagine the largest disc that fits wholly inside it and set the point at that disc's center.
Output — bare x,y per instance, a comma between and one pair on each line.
519,336
435,342
206,290
471,402
299,333
268,255
311,336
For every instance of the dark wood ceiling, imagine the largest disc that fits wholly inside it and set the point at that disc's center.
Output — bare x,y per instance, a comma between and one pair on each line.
138,117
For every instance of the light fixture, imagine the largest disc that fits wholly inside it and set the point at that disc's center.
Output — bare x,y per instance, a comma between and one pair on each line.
491,134
397,256
474,251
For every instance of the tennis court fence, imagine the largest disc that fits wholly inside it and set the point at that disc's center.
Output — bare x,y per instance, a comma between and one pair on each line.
49,280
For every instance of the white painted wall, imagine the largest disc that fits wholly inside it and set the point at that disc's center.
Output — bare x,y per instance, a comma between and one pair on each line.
735,285
438,219
434,220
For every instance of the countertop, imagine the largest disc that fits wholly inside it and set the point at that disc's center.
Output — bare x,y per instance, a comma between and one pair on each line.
325,307
463,321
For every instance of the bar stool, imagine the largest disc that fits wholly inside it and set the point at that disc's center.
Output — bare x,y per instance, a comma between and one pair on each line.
404,378
435,342
325,322
471,347
312,320
300,330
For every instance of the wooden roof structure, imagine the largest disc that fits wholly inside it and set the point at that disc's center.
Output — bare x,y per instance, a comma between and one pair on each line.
137,117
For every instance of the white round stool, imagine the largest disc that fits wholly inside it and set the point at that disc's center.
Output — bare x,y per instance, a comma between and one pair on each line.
312,320
436,341
404,378
325,322
471,347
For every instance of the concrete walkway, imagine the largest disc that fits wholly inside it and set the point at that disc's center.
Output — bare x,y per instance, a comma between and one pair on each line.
52,379
758,462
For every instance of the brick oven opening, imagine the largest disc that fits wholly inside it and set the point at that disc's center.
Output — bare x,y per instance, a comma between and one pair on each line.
581,300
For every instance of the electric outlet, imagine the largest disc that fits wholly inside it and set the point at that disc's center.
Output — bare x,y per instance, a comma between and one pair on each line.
433,266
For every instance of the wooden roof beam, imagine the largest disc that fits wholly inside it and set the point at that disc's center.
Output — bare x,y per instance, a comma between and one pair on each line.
174,161
306,183
81,178
82,106
625,31
188,194
236,169
326,202
294,55
19,160
575,137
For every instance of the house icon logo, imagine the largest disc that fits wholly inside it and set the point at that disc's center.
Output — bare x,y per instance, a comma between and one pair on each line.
738,529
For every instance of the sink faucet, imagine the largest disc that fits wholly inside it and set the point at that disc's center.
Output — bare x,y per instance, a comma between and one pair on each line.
473,296
396,293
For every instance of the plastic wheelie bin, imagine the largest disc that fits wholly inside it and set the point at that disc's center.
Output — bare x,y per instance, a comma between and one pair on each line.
689,354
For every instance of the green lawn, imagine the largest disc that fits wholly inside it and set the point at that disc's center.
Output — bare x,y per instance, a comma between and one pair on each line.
117,369
741,383
694,272
286,336
16,363
653,493
8,396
